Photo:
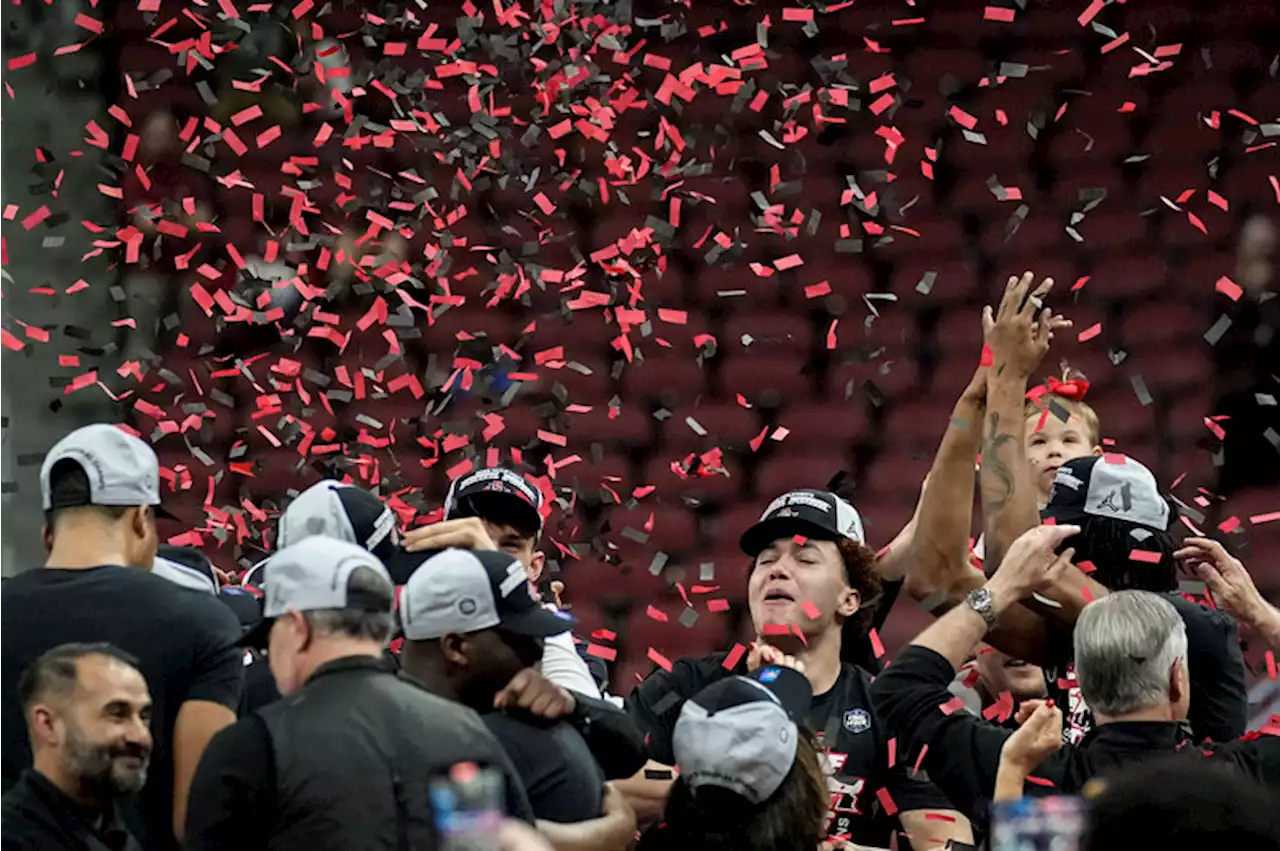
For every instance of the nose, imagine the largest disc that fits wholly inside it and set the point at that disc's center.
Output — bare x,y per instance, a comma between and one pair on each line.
139,734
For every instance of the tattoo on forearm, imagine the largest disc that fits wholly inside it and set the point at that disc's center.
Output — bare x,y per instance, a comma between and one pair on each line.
997,478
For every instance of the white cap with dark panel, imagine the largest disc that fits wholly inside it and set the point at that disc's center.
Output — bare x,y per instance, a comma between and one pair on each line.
187,567
313,574
1111,486
493,492
463,591
348,513
123,470
741,733
820,515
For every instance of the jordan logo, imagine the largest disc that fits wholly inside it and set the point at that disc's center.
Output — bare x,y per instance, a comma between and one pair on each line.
1123,495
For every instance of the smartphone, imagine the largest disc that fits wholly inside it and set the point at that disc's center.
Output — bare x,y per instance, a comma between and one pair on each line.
468,808
1038,824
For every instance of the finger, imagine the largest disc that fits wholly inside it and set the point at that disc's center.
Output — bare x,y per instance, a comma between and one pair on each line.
1043,289
1026,709
1044,327
1007,297
1021,293
988,321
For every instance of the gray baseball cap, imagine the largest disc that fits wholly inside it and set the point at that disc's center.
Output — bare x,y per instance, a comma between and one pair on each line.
345,512
740,734
466,591
314,574
1112,486
122,469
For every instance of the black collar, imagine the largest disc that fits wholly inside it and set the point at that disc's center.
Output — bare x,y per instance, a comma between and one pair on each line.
1138,735
105,825
348,664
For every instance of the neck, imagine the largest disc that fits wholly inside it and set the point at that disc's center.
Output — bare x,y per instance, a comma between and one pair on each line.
1162,714
332,648
78,548
50,766
429,674
820,654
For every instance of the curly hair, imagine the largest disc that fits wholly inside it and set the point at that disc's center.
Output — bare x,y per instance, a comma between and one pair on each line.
860,573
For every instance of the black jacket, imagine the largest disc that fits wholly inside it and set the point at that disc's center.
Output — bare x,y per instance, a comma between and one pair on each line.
344,763
38,816
964,750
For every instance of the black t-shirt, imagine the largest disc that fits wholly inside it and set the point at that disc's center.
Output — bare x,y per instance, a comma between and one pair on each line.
562,779
856,756
185,643
1219,698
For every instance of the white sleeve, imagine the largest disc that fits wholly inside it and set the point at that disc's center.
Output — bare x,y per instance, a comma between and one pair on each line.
563,666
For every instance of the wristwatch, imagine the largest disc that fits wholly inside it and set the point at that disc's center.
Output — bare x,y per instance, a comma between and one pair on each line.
981,601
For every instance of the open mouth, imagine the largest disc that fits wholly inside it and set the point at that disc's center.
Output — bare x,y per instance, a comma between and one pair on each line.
1017,663
778,596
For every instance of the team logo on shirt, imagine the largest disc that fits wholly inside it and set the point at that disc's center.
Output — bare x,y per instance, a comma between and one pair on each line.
857,720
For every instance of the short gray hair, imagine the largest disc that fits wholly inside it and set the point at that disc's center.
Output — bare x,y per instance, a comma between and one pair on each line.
374,621
1126,643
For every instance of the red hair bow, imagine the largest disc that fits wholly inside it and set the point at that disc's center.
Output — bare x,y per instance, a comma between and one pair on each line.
1073,389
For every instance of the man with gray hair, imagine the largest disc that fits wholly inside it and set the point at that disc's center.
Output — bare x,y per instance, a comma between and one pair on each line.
1130,651
347,757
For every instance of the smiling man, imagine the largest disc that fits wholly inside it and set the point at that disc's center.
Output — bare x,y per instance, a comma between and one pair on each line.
812,580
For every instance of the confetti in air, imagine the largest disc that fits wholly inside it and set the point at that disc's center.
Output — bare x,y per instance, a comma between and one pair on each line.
672,258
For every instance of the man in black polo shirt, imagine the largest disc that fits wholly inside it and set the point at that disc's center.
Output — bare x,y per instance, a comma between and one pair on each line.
88,715
1131,663
101,490
1124,535
810,575
347,757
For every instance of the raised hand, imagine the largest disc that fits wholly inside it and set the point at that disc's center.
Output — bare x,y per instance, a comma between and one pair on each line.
766,654
467,533
1032,563
1019,331
1225,576
1038,737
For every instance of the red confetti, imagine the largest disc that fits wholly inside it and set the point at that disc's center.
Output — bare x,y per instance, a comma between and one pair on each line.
1229,288
1089,333
886,801
658,659
997,13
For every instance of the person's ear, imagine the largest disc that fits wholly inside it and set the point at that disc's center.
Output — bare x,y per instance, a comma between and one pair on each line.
454,649
1097,450
46,537
1179,682
849,603
301,627
537,564
43,724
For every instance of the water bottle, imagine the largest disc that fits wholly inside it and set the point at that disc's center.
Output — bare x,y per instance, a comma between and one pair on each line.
468,808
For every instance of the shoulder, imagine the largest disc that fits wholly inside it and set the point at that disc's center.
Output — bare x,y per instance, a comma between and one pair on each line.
1201,621
204,614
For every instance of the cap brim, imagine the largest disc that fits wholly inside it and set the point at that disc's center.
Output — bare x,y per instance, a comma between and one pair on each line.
499,507
537,623
764,533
